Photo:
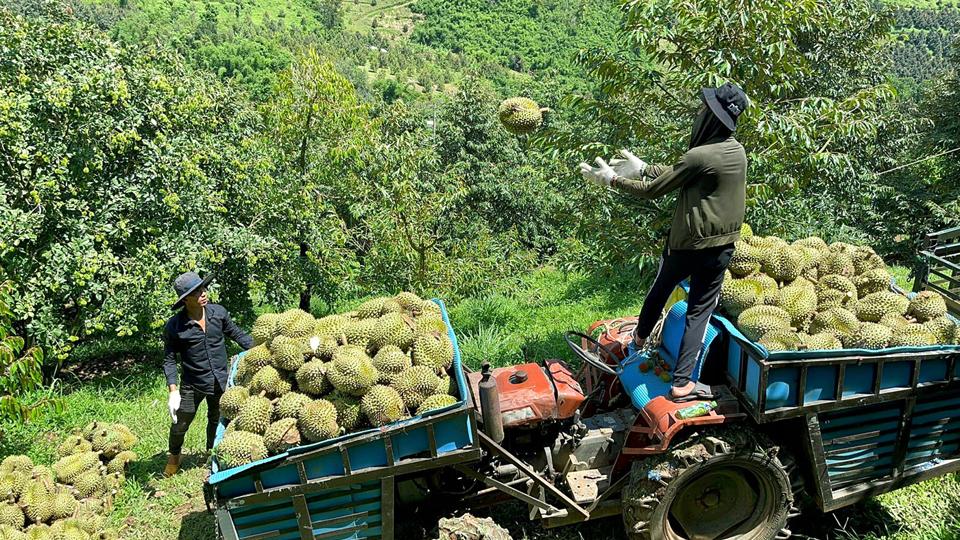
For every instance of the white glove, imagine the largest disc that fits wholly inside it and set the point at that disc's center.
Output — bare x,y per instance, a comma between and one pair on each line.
173,404
630,166
600,175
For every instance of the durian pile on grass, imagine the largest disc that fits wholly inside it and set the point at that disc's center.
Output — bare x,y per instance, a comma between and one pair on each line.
308,380
69,500
810,295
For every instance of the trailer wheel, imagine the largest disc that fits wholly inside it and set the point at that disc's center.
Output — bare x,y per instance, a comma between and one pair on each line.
717,484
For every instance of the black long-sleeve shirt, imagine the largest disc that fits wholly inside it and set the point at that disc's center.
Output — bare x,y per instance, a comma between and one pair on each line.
203,355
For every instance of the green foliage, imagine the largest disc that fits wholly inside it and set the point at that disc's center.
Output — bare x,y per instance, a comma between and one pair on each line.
21,368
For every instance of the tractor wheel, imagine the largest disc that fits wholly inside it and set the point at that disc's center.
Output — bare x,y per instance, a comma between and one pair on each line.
720,483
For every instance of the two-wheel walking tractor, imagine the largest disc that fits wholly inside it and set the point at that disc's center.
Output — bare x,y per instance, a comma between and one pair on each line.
835,426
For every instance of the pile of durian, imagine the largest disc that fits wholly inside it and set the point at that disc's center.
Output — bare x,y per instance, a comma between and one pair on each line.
308,380
809,295
69,500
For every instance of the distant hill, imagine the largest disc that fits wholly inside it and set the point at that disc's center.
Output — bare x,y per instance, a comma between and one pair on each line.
925,33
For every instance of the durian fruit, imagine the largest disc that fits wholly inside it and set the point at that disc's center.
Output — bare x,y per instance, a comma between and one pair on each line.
434,350
265,328
871,281
390,305
296,323
254,415
927,305
288,353
360,333
831,298
70,467
352,371
371,309
866,259
256,359
894,320
429,306
90,522
409,302
268,380
771,289
844,248
12,484
736,295
282,435
943,328
107,442
520,115
870,336
90,484
746,259
814,242
9,533
874,306
824,341
429,322
113,481
746,231
811,257
119,463
40,532
392,329
912,335
349,414
382,405
37,503
784,263
780,340
64,504
312,378
838,321
436,401
318,421
232,400
240,448
332,326
289,406
15,463
447,385
12,516
73,444
837,262
126,436
800,301
390,361
416,384
841,284
324,347
758,320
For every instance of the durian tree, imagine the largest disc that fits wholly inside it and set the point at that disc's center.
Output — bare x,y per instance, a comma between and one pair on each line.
21,368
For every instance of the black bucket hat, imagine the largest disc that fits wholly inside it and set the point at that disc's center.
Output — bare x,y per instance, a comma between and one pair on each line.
186,283
727,103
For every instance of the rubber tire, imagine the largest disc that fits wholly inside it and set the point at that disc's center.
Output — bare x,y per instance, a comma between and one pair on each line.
646,499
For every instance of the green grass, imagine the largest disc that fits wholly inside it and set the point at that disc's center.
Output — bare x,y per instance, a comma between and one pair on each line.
498,328
391,15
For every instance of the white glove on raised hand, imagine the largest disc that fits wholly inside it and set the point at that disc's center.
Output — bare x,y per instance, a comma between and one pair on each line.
629,165
600,175
173,404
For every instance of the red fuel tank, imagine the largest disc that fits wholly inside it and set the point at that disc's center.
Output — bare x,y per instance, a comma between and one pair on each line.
528,395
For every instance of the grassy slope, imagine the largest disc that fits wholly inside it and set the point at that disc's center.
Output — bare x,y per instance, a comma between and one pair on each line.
492,328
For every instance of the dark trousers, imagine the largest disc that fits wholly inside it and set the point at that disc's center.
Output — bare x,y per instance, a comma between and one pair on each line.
190,400
705,269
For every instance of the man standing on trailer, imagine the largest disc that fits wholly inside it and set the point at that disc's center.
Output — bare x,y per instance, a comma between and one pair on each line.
711,177
196,334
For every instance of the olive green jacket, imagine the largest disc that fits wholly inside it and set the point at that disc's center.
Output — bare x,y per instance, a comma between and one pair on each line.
712,183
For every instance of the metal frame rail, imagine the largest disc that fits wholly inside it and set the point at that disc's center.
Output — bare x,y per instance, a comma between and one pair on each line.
940,268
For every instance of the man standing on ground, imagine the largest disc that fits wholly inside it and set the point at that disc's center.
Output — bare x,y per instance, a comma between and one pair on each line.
711,177
196,334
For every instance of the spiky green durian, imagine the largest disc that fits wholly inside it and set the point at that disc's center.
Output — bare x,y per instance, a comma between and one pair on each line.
126,436
746,231
282,435
746,259
943,328
894,320
265,328
360,333
429,322
90,484
429,306
9,533
64,504
838,283
736,295
107,442
870,336
871,281
37,503
288,353
780,340
270,381
771,289
119,463
296,323
433,350
912,335
352,371
392,329
41,532
838,321
758,320
447,385
16,463
814,242
231,401
800,301
12,516
12,484
318,421
436,401
416,384
240,448
324,347
68,468
927,305
382,405
289,406
390,361
390,305
371,309
349,415
332,325
823,341
874,306
312,378
254,416
836,262
73,444
784,263
520,115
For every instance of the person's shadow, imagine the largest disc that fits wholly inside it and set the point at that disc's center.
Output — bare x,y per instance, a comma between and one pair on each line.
197,525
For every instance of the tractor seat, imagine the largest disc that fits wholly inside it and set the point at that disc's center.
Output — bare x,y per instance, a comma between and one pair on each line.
643,387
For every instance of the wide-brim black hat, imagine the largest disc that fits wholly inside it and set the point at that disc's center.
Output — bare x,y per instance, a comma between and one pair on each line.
727,103
186,283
